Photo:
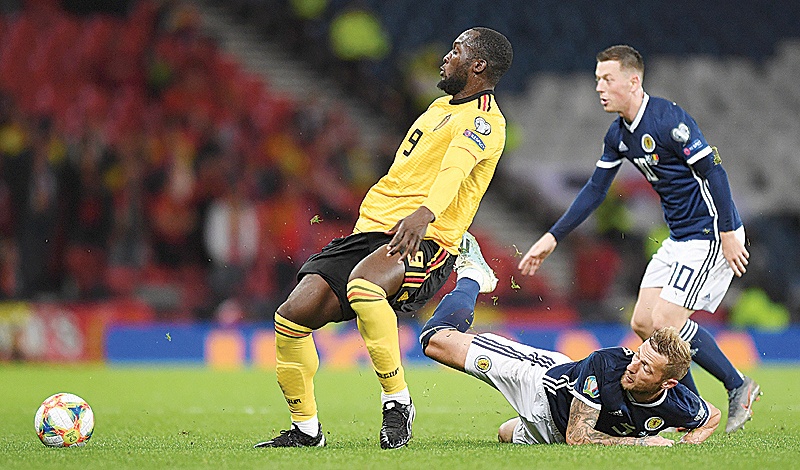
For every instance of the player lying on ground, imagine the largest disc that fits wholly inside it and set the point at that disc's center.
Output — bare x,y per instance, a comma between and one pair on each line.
614,396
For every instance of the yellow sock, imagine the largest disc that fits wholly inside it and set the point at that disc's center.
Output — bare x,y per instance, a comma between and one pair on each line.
297,362
377,323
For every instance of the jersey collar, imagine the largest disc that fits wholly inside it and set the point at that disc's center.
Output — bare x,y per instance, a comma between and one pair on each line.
632,126
648,405
471,97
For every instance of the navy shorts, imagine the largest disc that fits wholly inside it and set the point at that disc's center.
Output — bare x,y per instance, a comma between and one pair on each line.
425,274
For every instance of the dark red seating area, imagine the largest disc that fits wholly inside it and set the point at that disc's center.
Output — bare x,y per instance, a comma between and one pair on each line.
128,143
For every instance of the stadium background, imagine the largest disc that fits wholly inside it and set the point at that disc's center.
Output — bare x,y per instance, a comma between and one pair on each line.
166,166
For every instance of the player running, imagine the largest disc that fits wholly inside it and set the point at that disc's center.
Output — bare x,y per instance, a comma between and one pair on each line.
694,267
404,243
614,396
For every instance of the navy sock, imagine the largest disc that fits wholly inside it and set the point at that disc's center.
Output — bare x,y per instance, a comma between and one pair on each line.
455,311
707,355
688,382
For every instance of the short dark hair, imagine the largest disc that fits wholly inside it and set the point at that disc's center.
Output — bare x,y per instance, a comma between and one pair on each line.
495,49
627,57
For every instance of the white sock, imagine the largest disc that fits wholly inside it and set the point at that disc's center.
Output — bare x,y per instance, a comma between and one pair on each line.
402,397
310,427
471,273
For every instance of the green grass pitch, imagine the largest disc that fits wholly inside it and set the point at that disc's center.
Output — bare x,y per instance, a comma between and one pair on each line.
185,417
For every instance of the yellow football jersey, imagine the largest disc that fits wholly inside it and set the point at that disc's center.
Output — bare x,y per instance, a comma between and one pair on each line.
468,134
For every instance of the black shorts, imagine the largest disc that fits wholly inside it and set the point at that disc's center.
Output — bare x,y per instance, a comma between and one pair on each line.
425,275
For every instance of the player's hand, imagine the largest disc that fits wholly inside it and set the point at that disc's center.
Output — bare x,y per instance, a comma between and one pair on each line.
538,252
408,233
658,441
734,252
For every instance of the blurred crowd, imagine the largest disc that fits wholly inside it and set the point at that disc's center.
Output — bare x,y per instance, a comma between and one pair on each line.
139,159
136,158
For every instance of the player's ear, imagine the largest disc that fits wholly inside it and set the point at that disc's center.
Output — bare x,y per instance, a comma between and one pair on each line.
669,383
636,81
478,66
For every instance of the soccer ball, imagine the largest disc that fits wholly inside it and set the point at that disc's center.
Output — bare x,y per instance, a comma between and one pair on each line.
64,420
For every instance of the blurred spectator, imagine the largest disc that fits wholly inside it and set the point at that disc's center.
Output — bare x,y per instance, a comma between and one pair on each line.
357,34
38,228
308,9
231,236
128,244
754,309
422,74
597,268
90,221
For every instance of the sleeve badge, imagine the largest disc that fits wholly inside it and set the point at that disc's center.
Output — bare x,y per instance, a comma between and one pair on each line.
590,387
482,127
681,134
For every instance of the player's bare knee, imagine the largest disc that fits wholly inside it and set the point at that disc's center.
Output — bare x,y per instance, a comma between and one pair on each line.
642,328
505,433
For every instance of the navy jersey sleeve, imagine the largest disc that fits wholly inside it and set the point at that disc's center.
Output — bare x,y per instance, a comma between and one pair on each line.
588,378
691,410
682,136
611,153
686,139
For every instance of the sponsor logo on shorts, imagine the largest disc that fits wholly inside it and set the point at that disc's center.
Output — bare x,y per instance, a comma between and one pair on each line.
483,363
654,423
475,138
590,387
294,401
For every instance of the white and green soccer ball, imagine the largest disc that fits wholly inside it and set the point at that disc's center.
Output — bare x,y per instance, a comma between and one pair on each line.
64,420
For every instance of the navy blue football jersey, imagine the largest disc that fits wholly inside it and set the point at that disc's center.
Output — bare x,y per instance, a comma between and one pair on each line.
664,142
596,382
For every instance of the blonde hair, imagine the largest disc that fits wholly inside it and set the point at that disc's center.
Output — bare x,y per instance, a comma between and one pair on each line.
667,342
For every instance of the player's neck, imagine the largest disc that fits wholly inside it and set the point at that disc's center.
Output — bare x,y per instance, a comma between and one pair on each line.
641,397
629,114
472,89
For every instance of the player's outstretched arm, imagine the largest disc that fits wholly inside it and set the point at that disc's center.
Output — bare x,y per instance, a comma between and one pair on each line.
581,431
538,252
698,435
